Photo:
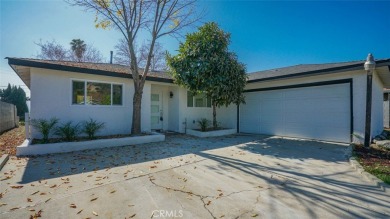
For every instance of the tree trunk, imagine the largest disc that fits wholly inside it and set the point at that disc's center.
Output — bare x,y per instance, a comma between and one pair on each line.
136,124
215,125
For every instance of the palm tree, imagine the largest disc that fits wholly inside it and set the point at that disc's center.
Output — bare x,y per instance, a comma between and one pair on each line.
78,48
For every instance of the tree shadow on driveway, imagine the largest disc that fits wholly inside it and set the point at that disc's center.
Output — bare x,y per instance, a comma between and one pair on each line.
313,173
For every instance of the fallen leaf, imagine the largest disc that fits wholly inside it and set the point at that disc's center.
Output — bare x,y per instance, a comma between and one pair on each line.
113,191
80,211
36,215
131,205
14,208
152,167
72,206
2,204
96,214
53,186
255,215
31,209
208,203
29,199
16,187
47,200
43,193
132,216
93,199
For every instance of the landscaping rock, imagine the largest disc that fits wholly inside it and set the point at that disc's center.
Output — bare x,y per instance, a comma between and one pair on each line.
384,144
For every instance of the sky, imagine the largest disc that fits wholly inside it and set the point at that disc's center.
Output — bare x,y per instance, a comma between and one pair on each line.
264,34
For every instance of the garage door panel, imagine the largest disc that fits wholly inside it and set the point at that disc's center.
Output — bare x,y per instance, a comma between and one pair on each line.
320,112
313,92
269,128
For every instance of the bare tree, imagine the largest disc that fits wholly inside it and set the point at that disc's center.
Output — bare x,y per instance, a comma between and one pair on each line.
52,51
157,61
122,55
158,17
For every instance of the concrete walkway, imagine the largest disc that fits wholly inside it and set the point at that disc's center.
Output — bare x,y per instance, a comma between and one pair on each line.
227,177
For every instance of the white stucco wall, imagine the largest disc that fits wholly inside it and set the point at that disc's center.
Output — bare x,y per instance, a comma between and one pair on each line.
377,106
51,97
173,113
226,116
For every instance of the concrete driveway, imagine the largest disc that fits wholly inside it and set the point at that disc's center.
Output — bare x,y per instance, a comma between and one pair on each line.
228,177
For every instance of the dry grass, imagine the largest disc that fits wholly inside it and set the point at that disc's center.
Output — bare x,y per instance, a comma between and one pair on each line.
375,161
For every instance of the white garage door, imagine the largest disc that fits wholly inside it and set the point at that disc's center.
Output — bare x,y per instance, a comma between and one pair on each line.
318,112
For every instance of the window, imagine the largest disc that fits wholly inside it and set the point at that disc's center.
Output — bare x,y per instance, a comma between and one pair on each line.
78,92
199,100
96,93
117,94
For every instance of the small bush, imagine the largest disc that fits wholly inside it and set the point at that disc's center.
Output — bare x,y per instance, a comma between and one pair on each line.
67,131
91,127
44,127
203,124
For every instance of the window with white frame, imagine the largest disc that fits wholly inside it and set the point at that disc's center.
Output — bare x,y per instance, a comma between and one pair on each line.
96,93
197,100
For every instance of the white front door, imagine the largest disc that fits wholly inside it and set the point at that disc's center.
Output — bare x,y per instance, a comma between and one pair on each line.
156,111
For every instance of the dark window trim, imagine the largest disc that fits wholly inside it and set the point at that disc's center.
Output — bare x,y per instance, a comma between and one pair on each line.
314,84
321,83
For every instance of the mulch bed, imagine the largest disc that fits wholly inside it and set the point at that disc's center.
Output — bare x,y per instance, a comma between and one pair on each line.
11,139
210,129
375,161
58,140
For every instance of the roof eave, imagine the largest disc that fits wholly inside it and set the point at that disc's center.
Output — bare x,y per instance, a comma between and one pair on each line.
28,63
352,67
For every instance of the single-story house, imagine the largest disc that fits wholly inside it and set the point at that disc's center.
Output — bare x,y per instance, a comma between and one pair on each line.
313,101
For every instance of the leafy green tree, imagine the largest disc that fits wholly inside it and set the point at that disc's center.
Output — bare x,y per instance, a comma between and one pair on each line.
17,96
205,65
78,47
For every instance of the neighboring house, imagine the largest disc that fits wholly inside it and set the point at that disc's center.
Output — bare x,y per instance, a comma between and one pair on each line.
324,101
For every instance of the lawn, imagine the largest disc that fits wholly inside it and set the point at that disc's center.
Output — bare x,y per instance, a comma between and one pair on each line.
375,161
10,139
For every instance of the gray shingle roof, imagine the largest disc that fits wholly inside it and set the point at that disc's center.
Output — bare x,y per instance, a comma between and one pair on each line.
307,70
272,74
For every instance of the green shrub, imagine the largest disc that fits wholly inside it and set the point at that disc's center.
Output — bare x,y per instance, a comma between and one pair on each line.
67,131
91,126
44,127
203,124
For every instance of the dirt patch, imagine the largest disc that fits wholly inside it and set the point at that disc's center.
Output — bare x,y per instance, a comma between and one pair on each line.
11,139
375,161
